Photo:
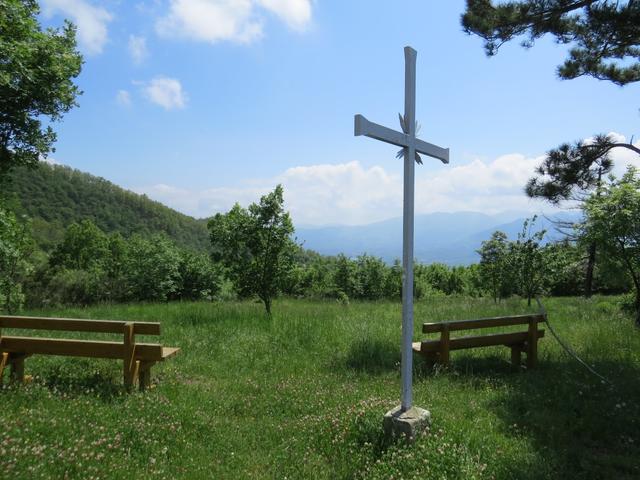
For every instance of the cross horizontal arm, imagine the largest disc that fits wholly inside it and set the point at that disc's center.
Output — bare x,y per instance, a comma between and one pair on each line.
373,130
432,150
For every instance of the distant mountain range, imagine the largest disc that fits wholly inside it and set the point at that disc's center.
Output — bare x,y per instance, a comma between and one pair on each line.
56,196
450,238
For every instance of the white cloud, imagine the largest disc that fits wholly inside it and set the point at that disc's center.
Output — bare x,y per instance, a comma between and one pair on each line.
239,21
349,193
138,49
296,13
123,98
90,20
622,157
164,91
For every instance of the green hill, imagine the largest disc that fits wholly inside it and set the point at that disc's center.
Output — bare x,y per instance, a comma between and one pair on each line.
55,196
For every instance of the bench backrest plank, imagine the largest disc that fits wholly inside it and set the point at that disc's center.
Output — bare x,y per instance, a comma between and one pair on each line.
78,325
480,341
482,323
78,348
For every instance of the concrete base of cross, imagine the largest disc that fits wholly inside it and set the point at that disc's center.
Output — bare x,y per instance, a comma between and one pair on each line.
409,424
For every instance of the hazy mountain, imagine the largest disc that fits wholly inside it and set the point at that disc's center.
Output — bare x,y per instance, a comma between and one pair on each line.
451,238
56,196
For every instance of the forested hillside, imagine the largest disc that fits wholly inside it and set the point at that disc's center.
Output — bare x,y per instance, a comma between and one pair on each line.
55,196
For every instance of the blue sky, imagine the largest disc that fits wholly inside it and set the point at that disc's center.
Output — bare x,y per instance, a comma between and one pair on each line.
202,103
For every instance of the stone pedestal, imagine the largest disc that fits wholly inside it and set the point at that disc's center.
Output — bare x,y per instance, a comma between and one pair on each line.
409,424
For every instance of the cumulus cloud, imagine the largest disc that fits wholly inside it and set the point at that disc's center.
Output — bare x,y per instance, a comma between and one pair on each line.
123,98
164,91
138,49
239,21
351,194
91,21
622,157
295,13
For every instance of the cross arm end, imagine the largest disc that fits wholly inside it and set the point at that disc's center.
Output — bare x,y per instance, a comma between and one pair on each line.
359,126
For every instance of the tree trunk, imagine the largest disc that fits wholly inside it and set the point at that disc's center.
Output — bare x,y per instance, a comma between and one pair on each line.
591,262
267,305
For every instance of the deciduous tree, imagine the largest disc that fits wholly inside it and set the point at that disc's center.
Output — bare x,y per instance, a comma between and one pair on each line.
256,246
15,246
37,68
613,220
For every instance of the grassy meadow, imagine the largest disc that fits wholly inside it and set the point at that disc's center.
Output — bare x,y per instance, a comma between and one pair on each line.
302,394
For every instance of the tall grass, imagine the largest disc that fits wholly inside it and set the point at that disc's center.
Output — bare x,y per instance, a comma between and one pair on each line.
301,394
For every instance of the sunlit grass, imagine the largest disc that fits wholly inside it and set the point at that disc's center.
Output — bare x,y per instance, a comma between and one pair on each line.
302,394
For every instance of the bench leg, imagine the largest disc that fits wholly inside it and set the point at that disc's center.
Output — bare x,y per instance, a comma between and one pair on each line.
145,375
17,368
431,358
532,344
516,355
4,359
444,345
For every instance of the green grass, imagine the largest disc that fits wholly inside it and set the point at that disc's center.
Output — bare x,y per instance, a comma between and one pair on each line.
301,395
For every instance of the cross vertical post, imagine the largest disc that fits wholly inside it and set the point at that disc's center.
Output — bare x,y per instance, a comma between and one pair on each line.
407,227
405,418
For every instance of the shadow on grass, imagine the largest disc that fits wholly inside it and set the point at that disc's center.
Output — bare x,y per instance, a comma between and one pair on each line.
83,379
580,425
372,356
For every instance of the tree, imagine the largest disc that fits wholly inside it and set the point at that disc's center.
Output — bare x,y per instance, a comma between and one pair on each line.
37,69
613,220
494,265
605,40
152,270
255,246
528,261
84,246
15,247
572,173
603,34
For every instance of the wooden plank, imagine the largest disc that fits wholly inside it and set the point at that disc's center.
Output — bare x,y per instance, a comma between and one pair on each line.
532,345
168,352
482,323
516,355
77,325
479,341
128,359
145,375
444,345
4,358
78,348
17,369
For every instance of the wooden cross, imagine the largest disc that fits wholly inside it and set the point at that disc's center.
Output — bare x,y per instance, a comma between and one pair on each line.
412,147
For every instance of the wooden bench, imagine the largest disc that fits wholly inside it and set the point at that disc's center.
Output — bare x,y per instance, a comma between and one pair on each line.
437,351
138,358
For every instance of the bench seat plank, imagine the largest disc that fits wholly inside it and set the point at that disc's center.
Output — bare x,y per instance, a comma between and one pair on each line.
82,348
482,323
77,325
460,343
168,352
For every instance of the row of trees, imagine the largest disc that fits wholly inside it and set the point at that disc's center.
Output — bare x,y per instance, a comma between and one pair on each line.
254,251
90,266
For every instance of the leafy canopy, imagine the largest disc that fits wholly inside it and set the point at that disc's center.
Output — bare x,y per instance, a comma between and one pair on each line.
613,220
570,172
255,246
604,35
15,249
37,69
